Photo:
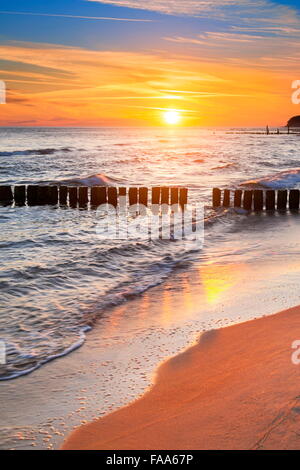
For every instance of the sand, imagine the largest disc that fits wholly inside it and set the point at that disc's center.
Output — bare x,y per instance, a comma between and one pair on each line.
236,389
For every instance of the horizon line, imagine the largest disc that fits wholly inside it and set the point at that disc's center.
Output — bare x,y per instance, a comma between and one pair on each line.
276,126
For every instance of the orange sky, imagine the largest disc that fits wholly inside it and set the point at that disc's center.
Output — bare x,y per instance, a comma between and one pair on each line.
212,85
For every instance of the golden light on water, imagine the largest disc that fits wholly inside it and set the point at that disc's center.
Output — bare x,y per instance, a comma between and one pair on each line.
172,117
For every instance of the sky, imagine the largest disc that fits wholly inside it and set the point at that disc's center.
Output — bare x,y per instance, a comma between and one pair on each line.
127,62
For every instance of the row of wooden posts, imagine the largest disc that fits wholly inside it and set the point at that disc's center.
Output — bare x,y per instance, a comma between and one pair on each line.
257,199
81,196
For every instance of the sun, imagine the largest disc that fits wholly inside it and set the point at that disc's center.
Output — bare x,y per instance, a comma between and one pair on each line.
172,117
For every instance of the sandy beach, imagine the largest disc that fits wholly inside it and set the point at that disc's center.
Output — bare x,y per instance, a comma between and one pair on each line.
237,388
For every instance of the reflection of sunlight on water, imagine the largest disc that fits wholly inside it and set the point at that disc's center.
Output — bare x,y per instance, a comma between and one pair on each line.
191,295
180,302
188,298
218,279
167,307
209,289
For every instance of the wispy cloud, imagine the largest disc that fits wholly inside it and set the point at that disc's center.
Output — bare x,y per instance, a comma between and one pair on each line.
121,87
212,38
177,7
248,9
275,30
249,32
102,18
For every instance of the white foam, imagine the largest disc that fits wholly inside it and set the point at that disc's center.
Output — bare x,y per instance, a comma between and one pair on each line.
94,180
282,179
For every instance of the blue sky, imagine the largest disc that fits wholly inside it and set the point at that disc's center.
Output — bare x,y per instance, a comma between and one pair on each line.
101,34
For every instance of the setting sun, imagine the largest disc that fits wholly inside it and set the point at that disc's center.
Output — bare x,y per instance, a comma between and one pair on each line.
172,117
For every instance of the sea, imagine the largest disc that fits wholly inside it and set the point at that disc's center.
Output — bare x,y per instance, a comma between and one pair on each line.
58,279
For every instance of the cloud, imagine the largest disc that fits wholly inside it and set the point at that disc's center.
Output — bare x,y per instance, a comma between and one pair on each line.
212,8
177,7
54,15
239,20
91,84
261,50
276,30
116,87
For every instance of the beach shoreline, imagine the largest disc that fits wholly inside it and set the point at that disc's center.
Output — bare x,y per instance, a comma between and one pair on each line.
119,361
235,389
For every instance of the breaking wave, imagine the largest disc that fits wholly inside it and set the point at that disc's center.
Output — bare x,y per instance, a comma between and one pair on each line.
46,151
99,179
282,179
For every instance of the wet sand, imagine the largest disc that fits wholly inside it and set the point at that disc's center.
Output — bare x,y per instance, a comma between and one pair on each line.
237,388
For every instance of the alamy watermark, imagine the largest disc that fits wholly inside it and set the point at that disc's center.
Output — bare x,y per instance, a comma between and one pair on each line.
139,222
2,92
296,93
2,353
295,358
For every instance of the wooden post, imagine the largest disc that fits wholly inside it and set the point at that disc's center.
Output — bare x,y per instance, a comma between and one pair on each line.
133,196
53,195
63,193
216,197
47,195
270,200
165,195
20,195
258,200
83,197
72,190
174,196
155,195
122,199
247,200
281,199
98,196
6,195
43,195
122,194
226,198
94,196
32,195
183,197
143,196
294,200
237,198
112,195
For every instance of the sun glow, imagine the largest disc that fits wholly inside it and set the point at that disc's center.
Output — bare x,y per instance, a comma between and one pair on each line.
172,117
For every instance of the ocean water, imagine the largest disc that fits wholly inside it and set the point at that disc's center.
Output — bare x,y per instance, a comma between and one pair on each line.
58,278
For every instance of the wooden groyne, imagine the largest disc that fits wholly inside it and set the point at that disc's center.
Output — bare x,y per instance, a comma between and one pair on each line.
84,196
258,199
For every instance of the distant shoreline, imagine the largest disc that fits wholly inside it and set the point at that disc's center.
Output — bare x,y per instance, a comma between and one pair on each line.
161,128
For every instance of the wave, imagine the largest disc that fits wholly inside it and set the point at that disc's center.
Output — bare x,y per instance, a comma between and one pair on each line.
222,167
36,364
122,145
24,360
99,179
46,151
282,179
